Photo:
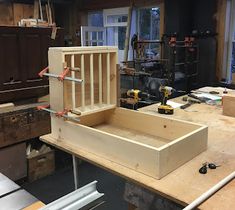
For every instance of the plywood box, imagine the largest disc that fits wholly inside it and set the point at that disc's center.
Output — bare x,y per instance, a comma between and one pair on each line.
229,105
150,144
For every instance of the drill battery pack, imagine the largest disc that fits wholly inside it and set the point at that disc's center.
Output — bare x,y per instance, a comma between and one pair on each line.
165,109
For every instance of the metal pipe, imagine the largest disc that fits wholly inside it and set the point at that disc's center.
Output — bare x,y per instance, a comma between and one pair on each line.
64,115
210,192
78,199
66,78
75,172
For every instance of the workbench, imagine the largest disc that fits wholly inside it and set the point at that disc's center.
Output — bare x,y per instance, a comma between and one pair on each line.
184,184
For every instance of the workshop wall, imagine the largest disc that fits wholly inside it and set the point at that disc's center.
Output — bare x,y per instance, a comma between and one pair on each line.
178,17
12,13
100,4
183,17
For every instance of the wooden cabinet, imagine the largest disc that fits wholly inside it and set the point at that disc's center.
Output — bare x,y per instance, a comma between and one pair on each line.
23,53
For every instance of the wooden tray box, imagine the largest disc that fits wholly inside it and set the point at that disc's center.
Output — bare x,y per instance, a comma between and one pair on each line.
150,144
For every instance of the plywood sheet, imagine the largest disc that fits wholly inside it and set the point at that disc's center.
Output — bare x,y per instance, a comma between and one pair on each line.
133,135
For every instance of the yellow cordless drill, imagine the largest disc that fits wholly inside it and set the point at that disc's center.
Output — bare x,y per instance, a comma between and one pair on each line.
164,108
137,95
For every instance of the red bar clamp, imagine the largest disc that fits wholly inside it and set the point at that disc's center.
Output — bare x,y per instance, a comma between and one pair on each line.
63,74
43,107
61,113
172,41
191,40
41,73
187,42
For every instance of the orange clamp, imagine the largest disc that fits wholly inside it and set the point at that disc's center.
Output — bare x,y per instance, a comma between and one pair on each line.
43,107
43,71
61,113
172,41
187,41
63,74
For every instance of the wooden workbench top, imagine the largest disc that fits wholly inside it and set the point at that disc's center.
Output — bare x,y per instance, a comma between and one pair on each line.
185,183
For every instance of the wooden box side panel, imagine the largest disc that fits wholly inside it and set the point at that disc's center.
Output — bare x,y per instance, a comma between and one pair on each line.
176,154
229,105
56,88
122,151
150,124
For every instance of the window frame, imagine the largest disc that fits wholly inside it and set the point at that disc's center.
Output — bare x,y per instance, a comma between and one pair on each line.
94,12
89,30
114,12
230,30
149,7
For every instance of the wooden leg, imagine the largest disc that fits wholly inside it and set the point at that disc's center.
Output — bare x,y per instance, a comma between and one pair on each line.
131,206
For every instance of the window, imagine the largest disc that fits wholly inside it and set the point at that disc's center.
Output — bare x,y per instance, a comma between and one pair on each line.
115,17
149,29
93,36
113,22
233,53
95,19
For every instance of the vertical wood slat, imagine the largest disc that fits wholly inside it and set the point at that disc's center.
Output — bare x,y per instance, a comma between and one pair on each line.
83,83
73,84
100,79
64,92
92,79
108,78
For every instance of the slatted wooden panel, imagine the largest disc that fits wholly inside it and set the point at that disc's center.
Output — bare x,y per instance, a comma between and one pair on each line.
96,66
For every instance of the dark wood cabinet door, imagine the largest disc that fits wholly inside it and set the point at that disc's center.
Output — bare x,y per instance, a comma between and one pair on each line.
23,53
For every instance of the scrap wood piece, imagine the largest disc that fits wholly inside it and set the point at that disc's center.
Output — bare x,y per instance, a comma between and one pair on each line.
36,9
229,105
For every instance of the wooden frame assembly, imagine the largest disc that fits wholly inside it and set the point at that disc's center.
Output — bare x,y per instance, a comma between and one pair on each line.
152,145
97,69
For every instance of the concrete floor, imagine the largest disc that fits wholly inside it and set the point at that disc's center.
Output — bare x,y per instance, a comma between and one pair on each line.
61,183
